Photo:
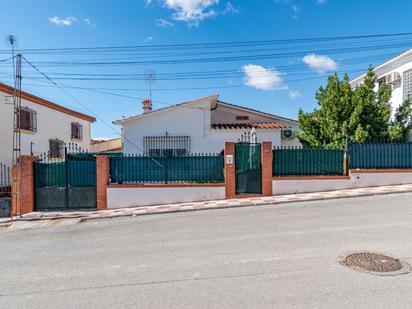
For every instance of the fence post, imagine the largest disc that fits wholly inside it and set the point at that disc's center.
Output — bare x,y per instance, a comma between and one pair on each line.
345,163
267,157
230,172
102,180
27,186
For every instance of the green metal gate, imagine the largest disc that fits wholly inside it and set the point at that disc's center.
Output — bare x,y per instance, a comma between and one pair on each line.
67,183
248,168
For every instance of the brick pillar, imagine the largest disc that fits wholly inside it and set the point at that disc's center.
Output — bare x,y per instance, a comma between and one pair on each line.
267,157
102,180
27,186
230,176
15,200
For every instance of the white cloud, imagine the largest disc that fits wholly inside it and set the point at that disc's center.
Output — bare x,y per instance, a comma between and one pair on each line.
88,22
320,63
62,21
295,8
148,39
231,9
263,78
163,23
321,2
192,11
294,94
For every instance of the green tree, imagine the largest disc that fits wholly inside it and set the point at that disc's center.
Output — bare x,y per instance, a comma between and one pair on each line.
361,114
401,123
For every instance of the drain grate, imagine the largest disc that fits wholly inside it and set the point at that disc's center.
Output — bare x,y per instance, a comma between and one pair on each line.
375,263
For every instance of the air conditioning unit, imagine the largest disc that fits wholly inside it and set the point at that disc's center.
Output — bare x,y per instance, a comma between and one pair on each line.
288,134
392,78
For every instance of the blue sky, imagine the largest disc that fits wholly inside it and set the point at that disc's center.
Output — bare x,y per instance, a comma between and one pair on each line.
277,84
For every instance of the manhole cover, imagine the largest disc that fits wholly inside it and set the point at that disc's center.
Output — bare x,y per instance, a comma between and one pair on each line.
375,263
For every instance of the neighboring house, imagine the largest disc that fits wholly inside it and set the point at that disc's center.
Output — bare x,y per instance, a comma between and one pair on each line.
106,146
201,126
396,72
44,126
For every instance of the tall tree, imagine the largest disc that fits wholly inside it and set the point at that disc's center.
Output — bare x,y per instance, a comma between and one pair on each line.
361,114
401,124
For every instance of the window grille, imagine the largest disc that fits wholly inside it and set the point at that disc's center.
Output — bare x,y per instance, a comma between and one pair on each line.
56,148
407,85
166,145
28,119
77,131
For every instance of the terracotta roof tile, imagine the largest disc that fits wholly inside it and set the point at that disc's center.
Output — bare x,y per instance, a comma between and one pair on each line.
256,125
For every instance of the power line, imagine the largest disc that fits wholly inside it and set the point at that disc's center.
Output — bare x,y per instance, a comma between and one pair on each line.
90,111
217,44
286,54
287,70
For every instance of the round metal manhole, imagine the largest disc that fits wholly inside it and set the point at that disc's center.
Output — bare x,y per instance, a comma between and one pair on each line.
375,263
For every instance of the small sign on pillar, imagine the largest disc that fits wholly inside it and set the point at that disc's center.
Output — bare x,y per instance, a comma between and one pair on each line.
229,159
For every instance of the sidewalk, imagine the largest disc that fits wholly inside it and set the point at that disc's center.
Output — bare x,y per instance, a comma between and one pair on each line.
168,208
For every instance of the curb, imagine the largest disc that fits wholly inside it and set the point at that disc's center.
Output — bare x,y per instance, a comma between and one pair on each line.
177,210
84,219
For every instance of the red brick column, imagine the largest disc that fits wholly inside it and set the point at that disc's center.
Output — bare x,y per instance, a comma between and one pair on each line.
230,176
102,180
267,157
27,186
15,189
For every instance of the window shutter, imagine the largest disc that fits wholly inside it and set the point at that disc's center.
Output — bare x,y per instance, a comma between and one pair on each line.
33,121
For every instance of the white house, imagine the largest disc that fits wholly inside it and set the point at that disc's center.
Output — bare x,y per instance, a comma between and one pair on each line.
44,126
200,126
397,72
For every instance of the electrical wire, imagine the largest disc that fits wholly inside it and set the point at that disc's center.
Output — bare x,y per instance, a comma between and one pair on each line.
91,112
232,44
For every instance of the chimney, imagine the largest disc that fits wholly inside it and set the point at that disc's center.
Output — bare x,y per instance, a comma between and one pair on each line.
147,106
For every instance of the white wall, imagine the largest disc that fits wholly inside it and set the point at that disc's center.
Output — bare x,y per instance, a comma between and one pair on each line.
400,66
357,180
217,138
132,197
193,120
51,124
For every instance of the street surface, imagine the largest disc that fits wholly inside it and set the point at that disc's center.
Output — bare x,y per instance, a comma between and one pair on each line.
282,256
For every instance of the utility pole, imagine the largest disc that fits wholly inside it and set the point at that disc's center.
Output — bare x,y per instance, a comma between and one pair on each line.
17,109
16,123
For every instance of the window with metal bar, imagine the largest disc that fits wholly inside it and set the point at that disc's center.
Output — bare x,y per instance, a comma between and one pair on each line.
407,85
166,145
56,148
77,131
28,119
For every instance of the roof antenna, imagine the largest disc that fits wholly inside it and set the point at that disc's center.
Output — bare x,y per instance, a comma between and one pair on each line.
150,78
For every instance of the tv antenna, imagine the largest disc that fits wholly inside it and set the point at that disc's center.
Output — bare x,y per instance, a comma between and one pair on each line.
149,76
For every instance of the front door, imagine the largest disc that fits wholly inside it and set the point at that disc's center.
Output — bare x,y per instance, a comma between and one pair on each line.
248,168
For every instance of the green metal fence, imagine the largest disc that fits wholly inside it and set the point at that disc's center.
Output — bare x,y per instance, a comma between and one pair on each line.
307,161
198,168
78,172
380,155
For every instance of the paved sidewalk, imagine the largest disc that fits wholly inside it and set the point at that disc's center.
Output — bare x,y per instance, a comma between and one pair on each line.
168,208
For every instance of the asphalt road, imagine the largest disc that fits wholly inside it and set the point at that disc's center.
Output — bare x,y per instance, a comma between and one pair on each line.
257,257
